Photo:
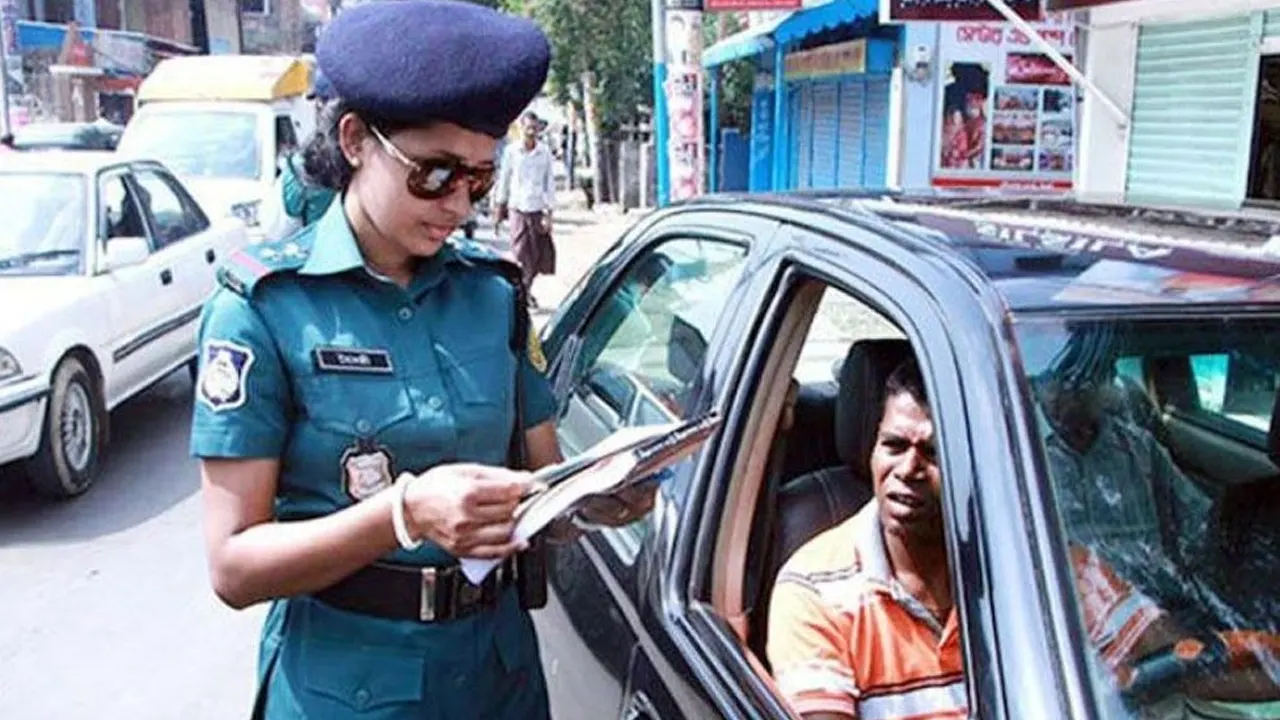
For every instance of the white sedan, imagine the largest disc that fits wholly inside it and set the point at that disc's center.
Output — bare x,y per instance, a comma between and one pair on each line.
105,263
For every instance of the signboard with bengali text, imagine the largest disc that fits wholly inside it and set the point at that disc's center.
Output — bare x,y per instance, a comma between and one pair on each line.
896,11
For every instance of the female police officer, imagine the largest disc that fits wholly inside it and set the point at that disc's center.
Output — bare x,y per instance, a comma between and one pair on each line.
338,363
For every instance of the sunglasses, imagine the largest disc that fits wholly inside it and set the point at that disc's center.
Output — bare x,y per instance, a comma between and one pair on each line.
434,178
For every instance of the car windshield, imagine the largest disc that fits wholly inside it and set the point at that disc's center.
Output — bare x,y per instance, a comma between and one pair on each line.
198,143
1155,435
43,232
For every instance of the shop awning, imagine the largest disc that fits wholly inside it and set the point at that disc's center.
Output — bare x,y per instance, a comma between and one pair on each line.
227,77
746,43
788,28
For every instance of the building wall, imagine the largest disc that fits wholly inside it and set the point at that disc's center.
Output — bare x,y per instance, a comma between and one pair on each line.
280,31
1110,63
222,18
167,19
919,109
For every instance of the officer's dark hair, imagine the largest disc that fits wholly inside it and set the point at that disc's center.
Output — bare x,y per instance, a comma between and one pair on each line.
906,378
322,160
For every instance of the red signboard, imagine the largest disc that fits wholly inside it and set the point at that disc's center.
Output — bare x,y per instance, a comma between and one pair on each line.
1057,5
953,10
749,5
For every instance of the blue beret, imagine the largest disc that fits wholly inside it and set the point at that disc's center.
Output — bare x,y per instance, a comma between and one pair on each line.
413,61
321,88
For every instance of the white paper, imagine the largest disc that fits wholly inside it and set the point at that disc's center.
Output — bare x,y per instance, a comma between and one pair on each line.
600,478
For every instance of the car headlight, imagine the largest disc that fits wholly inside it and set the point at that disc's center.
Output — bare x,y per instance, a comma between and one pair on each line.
247,212
9,367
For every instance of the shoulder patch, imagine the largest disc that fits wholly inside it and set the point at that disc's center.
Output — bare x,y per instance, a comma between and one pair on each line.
224,370
246,266
536,357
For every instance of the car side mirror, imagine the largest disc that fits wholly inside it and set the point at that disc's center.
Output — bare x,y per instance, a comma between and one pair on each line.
686,350
123,252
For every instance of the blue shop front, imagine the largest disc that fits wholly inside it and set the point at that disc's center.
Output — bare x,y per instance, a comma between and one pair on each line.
842,100
822,101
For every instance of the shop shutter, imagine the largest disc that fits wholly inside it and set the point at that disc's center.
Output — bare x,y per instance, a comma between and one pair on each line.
853,106
804,137
875,172
826,125
1194,91
1271,23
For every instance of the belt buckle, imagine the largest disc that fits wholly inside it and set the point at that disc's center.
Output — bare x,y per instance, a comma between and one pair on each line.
427,601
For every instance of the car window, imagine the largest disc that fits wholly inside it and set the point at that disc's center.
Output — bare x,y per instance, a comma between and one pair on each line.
173,218
1154,433
44,228
120,216
643,347
286,138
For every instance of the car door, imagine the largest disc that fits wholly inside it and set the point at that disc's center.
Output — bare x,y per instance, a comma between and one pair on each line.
637,359
138,295
186,251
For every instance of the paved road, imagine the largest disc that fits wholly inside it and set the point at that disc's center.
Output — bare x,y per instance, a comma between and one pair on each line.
106,602
106,607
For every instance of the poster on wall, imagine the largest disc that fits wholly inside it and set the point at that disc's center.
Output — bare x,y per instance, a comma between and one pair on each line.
1007,115
685,149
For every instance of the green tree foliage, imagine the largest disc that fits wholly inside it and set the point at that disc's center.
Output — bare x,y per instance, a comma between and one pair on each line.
611,39
737,78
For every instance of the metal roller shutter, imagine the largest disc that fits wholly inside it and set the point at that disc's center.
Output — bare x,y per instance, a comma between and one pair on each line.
849,157
804,139
875,168
826,124
1194,95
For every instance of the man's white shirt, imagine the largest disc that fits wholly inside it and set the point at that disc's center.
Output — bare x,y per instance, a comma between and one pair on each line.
526,180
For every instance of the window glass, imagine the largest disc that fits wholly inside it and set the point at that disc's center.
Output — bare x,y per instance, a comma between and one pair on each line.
43,232
171,219
644,346
1154,435
120,214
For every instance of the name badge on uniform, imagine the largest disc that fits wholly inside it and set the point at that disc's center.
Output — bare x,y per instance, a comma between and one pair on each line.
366,469
362,361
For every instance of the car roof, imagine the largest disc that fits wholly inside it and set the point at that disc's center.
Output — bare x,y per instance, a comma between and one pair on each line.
1055,252
82,162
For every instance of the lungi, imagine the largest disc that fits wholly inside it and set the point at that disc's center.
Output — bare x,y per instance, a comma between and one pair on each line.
532,245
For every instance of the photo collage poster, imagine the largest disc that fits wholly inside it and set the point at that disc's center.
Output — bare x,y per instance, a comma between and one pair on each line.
1007,112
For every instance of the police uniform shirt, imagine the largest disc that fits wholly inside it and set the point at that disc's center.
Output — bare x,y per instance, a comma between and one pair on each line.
308,357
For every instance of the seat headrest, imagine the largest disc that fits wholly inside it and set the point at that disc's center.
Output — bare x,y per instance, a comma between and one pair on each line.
860,400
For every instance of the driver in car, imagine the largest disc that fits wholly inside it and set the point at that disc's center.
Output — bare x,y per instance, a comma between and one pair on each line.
1117,488
862,621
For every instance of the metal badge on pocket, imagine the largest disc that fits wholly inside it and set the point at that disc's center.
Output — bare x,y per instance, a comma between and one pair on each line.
367,469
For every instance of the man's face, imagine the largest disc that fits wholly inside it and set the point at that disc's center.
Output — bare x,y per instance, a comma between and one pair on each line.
529,128
904,470
1076,409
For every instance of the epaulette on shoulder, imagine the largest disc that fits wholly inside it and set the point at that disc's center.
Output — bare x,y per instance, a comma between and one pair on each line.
247,266
485,256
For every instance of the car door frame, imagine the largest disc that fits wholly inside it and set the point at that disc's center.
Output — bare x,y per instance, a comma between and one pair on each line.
1012,594
629,581
125,377
195,256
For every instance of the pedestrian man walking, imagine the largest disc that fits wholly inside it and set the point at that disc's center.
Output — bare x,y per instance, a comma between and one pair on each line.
526,192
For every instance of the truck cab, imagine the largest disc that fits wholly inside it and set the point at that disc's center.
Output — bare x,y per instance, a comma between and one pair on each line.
222,123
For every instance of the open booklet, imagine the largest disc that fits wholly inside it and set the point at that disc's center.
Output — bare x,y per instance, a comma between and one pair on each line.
627,457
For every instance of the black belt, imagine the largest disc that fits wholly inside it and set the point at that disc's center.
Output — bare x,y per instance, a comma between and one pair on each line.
424,594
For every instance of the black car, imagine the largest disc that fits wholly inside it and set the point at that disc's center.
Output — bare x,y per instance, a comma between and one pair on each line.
737,304
68,136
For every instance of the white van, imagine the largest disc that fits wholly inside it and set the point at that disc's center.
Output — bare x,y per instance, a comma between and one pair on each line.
222,123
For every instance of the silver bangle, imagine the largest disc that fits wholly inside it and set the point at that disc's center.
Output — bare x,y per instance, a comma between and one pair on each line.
397,514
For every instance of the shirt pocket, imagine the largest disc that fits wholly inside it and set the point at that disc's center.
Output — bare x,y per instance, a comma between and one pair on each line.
478,375
358,663
356,406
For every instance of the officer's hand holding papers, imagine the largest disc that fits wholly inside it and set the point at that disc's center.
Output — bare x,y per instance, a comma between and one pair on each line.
608,485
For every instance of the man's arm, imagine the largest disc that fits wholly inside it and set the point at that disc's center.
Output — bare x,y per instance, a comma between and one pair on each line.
808,652
549,184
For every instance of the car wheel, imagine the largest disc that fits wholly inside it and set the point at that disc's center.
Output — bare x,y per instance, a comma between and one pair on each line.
75,424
